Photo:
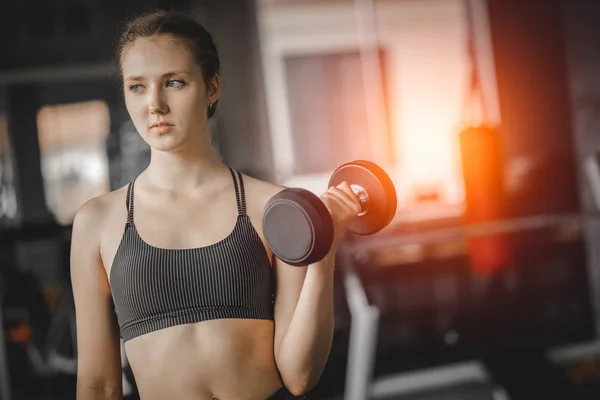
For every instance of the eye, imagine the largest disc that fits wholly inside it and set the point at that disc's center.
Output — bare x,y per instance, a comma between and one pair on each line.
174,83
135,88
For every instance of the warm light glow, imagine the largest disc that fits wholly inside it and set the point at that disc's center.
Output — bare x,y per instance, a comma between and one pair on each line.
426,72
430,88
67,125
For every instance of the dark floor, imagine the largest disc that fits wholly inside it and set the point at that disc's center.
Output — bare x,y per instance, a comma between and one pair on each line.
61,387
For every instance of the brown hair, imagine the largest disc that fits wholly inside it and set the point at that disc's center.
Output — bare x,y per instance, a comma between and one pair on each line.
180,26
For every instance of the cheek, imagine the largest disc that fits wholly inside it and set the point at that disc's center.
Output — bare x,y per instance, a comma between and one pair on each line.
135,107
190,106
137,112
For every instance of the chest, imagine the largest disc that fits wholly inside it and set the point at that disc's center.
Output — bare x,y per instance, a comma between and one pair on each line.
233,272
185,224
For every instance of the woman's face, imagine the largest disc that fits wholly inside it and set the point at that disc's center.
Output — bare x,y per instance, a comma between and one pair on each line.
165,93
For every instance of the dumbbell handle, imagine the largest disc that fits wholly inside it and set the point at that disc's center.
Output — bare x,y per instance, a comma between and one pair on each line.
363,198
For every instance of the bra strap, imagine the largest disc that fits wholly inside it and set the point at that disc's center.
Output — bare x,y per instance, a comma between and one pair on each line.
239,191
130,203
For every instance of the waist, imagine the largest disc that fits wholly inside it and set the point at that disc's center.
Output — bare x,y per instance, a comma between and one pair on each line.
133,328
220,359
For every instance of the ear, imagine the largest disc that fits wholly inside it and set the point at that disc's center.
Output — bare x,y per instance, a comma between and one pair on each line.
214,89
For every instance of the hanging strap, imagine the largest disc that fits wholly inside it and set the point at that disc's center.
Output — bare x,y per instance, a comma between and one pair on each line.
474,95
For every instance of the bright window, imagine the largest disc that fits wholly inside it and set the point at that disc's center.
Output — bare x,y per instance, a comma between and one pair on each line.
73,155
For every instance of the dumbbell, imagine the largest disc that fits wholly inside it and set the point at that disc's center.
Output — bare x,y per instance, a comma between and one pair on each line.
298,227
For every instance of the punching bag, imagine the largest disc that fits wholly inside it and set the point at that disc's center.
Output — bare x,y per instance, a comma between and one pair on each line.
485,200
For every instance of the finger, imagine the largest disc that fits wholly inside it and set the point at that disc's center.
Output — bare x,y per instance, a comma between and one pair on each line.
347,196
344,191
346,188
333,203
344,185
339,196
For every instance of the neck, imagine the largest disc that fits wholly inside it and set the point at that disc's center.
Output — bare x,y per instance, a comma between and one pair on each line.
184,169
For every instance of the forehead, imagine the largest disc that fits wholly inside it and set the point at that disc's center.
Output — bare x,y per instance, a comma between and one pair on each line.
154,56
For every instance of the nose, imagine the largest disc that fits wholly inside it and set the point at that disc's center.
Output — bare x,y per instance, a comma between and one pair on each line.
157,103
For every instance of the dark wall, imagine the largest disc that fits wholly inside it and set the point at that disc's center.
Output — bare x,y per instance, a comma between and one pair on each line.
242,117
23,103
582,36
529,53
36,33
31,45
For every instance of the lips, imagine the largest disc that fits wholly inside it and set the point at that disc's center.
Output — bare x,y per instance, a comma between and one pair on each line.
159,124
161,127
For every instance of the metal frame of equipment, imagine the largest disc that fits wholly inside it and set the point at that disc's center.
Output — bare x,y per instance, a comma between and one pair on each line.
360,383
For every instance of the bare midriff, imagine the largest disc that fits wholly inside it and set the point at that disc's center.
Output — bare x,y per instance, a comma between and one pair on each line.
223,359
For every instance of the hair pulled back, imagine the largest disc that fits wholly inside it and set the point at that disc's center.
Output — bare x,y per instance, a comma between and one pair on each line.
181,27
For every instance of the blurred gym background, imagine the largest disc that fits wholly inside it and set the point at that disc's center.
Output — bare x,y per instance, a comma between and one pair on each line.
486,113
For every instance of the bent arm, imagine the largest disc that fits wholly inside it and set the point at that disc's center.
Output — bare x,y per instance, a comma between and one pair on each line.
305,336
302,349
99,374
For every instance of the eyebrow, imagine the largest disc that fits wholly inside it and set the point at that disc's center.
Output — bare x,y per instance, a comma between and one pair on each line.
165,75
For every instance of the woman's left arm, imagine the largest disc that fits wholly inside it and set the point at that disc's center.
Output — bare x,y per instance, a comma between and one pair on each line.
304,312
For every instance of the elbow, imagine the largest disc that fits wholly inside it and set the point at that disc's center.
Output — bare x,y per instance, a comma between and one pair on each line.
299,376
299,386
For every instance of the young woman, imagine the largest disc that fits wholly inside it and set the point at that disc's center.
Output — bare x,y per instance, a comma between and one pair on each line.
175,262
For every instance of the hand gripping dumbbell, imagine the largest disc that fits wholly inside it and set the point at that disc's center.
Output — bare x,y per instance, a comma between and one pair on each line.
298,227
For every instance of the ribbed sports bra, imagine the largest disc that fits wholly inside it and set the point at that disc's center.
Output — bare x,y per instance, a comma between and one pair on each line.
155,288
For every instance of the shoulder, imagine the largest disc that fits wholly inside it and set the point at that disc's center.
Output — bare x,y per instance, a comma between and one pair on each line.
258,191
93,215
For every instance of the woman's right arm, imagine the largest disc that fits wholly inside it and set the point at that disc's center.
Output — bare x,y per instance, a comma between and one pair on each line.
99,373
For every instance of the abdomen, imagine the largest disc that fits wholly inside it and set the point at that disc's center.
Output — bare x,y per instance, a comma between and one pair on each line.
223,359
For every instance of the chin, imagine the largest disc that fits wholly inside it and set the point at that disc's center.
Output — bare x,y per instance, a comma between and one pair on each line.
165,142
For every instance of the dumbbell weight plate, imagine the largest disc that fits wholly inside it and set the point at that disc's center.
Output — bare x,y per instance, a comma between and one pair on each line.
380,189
297,226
